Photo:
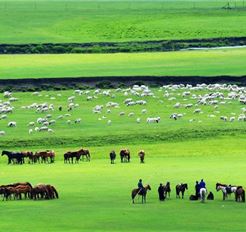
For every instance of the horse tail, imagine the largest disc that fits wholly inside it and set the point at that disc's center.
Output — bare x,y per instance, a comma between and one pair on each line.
243,196
56,193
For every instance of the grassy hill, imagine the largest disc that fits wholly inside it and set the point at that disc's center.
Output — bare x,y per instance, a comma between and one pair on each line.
184,63
90,21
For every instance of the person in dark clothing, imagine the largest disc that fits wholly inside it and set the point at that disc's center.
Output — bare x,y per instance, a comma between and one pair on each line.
161,193
202,184
210,196
197,188
140,185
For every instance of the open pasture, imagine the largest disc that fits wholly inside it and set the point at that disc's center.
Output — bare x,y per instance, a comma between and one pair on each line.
184,63
137,114
99,21
204,138
96,195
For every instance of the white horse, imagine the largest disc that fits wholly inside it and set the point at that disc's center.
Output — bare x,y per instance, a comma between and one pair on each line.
203,193
226,190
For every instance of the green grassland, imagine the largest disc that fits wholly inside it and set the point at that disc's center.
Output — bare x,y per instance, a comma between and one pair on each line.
184,63
95,21
95,196
94,130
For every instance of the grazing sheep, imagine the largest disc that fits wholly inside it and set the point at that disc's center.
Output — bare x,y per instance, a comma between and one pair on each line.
68,121
2,133
109,122
78,120
31,123
50,130
122,113
153,120
131,114
12,124
30,131
232,119
36,129
144,111
138,120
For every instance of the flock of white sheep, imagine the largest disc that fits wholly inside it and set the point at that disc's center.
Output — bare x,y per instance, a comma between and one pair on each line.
187,98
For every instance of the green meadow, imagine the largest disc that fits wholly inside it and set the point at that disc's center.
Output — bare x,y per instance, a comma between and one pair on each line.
95,196
182,63
54,21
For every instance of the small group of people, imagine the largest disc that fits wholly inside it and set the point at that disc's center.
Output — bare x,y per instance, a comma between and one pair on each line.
199,186
161,189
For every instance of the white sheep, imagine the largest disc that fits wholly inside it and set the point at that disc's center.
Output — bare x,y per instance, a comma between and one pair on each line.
12,124
2,133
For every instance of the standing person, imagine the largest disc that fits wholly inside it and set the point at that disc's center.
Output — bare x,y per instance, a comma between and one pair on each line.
161,193
197,188
202,184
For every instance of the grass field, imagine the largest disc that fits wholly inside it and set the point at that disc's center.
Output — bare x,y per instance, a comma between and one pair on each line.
185,63
90,21
94,128
95,196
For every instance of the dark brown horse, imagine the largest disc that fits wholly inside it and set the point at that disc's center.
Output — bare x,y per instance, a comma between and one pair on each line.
85,154
167,189
181,188
240,194
112,156
16,190
43,191
141,155
71,155
141,192
45,156
125,155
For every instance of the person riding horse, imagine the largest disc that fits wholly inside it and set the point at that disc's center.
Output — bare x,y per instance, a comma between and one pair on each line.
202,184
140,186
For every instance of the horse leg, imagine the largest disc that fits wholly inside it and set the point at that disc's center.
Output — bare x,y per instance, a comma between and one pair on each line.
182,195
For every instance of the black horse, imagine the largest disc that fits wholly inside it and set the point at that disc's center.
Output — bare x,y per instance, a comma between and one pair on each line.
15,157
125,155
181,188
112,156
167,189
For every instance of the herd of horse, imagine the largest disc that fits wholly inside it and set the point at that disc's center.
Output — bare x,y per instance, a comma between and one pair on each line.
227,190
17,191
48,156
33,157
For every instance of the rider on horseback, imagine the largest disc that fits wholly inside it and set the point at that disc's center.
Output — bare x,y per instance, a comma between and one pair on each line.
202,184
140,186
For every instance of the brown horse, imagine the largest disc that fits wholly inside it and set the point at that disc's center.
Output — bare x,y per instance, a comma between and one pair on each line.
141,155
23,189
141,192
16,190
46,156
125,155
42,191
71,155
240,194
27,154
167,189
86,153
